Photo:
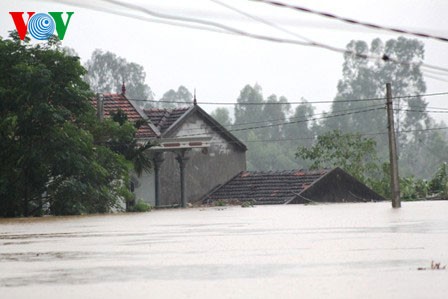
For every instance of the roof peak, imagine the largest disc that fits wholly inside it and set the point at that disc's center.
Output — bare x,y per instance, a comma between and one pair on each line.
167,109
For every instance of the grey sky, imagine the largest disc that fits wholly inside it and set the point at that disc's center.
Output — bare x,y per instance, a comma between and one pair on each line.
219,65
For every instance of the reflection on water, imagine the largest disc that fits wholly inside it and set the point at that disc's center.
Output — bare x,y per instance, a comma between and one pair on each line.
338,251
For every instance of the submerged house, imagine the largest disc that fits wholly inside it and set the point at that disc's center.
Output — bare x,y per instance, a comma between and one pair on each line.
197,159
293,187
194,153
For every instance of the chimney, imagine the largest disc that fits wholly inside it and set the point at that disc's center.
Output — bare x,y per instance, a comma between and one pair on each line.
123,89
100,106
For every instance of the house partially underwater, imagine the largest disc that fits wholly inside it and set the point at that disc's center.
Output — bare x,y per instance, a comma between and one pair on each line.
293,187
194,153
196,159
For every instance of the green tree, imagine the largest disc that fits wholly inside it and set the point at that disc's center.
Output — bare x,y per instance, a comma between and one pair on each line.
47,149
249,108
275,113
222,115
172,98
260,122
350,151
301,131
439,183
106,73
366,79
118,134
301,126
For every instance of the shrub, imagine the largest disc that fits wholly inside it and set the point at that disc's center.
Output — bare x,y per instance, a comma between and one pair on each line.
247,204
141,206
220,203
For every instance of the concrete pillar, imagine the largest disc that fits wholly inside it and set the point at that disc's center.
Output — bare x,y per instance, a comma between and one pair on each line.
182,159
158,160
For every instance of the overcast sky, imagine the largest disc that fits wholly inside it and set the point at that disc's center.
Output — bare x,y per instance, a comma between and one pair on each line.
219,65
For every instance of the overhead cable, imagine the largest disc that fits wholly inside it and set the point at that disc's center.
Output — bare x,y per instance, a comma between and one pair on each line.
232,30
352,21
293,103
261,20
314,138
292,122
282,121
142,18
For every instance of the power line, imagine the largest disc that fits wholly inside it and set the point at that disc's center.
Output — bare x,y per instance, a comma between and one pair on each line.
291,122
228,29
297,118
434,72
424,130
261,20
313,138
438,108
141,18
318,118
204,22
422,111
429,107
283,120
434,77
293,103
352,21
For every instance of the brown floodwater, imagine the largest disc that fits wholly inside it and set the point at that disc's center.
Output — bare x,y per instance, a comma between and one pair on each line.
366,250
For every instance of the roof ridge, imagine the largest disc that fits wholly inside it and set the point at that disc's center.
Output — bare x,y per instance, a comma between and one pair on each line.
289,171
164,118
153,109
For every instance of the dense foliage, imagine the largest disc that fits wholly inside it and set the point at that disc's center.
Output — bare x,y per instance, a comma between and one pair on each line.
53,157
350,151
172,98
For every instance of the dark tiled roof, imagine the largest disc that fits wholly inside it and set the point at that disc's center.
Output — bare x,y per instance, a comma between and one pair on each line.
115,102
164,118
267,187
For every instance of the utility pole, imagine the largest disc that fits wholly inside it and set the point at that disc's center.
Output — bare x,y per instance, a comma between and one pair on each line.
394,179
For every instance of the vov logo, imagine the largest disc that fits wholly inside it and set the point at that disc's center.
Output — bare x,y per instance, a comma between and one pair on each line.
41,25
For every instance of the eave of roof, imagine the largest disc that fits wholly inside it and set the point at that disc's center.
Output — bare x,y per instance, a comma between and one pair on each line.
215,124
168,120
114,102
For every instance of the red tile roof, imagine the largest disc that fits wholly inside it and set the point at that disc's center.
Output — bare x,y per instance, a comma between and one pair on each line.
115,102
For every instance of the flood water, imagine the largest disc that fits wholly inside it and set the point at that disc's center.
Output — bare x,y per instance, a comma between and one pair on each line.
366,250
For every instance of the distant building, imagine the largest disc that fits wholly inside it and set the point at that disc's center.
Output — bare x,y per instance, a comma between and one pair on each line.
294,187
189,139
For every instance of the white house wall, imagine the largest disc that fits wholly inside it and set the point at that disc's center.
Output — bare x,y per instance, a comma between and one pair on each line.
206,169
199,128
144,187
